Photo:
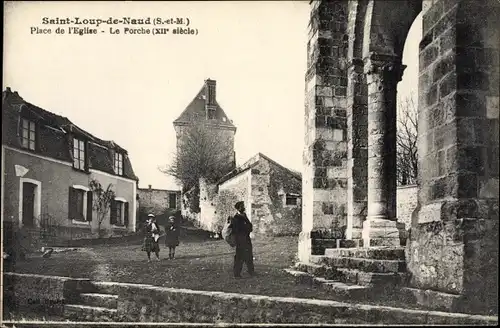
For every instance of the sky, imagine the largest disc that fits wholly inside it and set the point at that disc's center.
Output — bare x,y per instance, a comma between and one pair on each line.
130,88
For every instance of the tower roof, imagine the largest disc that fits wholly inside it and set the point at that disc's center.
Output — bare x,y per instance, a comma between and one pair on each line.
196,110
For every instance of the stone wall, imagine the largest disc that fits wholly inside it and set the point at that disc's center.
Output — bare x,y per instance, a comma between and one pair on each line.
269,185
208,200
146,303
406,204
157,200
324,179
39,293
231,191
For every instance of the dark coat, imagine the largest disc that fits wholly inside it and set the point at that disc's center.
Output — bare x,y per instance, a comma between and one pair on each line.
171,235
150,245
242,227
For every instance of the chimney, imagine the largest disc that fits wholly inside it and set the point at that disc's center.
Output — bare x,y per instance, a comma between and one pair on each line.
210,99
149,187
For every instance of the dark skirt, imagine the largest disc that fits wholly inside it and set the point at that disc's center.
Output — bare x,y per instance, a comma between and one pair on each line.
150,245
172,238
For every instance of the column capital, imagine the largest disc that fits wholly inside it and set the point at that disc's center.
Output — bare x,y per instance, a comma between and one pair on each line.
386,68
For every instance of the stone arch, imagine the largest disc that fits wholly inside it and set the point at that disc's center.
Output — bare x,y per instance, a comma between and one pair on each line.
386,26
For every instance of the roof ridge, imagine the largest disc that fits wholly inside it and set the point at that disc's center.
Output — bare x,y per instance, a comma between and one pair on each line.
241,168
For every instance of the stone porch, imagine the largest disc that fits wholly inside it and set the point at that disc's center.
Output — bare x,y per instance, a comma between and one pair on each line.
354,64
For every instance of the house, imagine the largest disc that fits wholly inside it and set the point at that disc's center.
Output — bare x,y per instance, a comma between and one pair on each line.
157,202
271,192
47,165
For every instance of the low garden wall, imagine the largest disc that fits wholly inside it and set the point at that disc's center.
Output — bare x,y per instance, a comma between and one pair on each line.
145,303
38,293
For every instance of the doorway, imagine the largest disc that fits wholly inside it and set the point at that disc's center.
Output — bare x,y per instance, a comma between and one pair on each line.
28,219
29,202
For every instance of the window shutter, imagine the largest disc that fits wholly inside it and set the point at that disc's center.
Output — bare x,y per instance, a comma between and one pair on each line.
112,218
37,137
125,214
71,203
89,205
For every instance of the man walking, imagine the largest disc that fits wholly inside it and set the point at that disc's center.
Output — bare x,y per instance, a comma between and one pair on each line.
241,228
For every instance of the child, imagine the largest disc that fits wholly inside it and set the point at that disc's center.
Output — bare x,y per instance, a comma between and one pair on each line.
151,238
171,237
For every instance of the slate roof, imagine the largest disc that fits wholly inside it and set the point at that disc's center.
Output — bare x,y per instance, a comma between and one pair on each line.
195,112
252,162
54,135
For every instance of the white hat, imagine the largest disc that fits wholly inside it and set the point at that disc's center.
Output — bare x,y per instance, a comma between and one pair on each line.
151,215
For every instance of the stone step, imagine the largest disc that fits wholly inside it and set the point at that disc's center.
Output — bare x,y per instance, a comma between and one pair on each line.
362,264
104,287
317,270
375,253
300,276
99,300
78,312
341,290
319,245
362,278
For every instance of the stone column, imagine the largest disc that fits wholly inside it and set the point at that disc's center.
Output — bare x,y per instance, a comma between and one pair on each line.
382,73
357,128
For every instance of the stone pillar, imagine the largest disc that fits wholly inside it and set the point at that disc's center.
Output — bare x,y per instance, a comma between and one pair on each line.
357,151
382,73
454,240
324,176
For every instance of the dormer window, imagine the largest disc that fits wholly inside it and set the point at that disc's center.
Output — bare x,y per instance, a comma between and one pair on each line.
78,154
28,134
118,163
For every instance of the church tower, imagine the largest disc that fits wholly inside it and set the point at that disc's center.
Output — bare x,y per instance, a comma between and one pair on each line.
205,111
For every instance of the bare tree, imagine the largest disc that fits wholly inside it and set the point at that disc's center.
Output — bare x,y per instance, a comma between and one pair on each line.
407,154
101,201
202,152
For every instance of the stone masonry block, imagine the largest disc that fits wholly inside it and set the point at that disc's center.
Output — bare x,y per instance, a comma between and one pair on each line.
492,107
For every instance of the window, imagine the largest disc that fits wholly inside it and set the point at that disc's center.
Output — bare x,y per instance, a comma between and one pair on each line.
211,113
119,212
291,200
80,204
172,200
118,163
28,134
78,154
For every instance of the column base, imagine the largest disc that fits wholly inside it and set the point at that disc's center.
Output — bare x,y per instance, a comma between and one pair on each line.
305,247
354,233
380,232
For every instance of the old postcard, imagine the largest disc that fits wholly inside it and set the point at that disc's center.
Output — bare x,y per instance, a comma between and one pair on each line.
215,163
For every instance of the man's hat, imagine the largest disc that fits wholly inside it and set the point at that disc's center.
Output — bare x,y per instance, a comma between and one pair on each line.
150,215
239,205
